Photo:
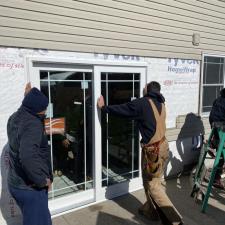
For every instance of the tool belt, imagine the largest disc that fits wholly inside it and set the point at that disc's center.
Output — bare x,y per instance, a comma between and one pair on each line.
151,162
154,146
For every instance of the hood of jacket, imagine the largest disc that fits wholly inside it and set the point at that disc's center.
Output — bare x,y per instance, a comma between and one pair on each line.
222,93
156,96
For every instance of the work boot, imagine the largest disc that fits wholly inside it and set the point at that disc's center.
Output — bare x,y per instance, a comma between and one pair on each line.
148,213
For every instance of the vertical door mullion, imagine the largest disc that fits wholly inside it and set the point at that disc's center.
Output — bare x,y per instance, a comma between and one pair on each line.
97,135
85,144
143,82
50,123
107,130
132,169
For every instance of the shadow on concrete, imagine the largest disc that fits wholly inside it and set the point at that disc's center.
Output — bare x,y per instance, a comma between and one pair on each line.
131,204
9,210
217,194
188,144
179,191
108,219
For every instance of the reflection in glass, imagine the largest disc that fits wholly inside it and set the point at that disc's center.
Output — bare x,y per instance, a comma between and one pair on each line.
213,73
210,93
120,137
212,59
70,112
65,75
213,80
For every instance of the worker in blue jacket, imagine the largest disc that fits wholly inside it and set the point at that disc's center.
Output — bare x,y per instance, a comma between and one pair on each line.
30,174
217,114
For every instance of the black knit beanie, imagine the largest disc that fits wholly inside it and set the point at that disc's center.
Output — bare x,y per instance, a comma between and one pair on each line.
35,101
222,93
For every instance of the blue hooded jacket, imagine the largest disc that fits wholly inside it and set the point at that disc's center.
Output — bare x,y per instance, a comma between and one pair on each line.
29,154
217,113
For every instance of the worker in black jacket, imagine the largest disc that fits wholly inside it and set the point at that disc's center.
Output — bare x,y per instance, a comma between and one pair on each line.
30,174
217,114
149,112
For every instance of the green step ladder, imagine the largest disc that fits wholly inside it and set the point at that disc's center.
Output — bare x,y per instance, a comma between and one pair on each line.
220,128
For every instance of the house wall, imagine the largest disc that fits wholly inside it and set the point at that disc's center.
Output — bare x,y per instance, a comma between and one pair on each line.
153,28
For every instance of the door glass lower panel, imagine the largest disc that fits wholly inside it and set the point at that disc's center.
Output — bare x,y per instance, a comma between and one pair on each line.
120,137
69,129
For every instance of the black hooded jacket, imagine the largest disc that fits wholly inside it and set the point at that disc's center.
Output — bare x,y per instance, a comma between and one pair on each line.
30,156
217,113
141,111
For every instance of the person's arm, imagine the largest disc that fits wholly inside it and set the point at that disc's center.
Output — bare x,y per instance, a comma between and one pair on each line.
27,88
128,110
33,165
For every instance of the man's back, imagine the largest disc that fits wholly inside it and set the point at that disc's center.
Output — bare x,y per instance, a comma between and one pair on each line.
150,114
141,111
20,149
217,113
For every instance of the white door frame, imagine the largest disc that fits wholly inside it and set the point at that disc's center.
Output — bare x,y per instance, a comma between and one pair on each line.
98,193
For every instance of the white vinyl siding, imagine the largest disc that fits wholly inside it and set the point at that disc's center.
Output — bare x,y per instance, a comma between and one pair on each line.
155,28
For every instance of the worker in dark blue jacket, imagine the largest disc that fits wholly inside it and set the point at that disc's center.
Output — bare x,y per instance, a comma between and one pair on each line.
217,114
30,174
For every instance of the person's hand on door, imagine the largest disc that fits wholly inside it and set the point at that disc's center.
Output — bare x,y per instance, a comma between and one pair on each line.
27,88
66,143
101,102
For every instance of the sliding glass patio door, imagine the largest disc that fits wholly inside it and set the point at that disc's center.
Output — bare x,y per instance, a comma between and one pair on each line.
120,151
94,155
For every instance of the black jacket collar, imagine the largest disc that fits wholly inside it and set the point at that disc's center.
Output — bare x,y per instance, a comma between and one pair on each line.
156,96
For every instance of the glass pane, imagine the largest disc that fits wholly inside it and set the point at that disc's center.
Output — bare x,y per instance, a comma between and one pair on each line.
44,88
118,76
209,95
137,76
213,73
120,137
88,76
214,59
136,134
66,75
71,138
43,75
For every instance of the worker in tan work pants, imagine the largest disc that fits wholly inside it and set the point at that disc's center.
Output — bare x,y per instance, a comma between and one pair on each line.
150,114
154,157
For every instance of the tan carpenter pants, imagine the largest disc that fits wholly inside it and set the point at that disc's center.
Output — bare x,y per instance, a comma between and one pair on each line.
158,204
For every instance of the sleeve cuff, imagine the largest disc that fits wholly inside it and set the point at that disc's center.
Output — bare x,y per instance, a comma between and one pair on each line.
104,109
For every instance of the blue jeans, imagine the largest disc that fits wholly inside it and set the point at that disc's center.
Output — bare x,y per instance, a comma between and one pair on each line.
33,205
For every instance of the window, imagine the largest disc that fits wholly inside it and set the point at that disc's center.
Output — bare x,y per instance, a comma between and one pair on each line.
120,137
213,80
69,120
